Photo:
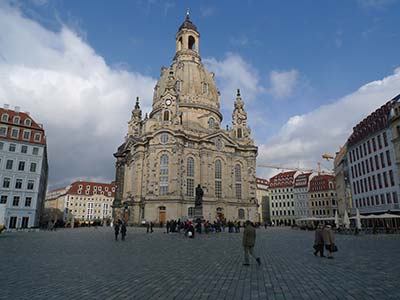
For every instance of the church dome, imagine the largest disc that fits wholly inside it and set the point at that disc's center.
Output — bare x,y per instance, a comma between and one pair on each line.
186,80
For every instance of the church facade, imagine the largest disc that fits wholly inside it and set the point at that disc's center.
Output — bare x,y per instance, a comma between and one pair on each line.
181,144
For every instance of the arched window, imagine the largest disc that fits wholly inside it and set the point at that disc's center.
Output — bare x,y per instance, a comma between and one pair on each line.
238,182
190,177
239,133
178,86
191,43
4,117
218,178
191,212
164,174
211,123
16,120
166,115
241,213
180,44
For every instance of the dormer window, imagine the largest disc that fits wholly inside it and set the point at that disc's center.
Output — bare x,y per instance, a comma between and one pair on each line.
4,117
28,122
37,137
27,135
3,131
16,120
14,133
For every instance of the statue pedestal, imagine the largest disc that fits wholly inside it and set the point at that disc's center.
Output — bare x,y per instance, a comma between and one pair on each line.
198,213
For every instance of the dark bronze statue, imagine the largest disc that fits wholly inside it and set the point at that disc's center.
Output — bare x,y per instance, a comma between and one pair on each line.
199,196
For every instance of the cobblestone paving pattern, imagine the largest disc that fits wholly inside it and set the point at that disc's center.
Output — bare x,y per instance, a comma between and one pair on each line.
86,263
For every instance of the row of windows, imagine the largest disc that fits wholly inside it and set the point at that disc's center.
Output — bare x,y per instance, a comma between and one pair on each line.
190,168
376,200
95,188
361,150
15,133
283,213
16,200
18,183
21,165
322,212
278,191
24,148
97,199
372,183
16,120
321,195
365,166
282,204
290,196
324,203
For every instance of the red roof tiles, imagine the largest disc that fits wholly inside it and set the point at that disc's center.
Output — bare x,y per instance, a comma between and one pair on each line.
33,127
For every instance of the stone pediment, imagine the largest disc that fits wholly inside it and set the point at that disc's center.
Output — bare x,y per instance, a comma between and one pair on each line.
219,135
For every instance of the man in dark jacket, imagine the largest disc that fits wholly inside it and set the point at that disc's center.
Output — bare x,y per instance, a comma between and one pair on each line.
249,240
116,230
123,231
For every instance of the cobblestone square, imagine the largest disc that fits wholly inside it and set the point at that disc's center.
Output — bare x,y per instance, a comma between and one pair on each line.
86,263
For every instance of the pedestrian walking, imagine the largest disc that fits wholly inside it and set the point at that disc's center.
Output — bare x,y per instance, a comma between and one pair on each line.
319,241
148,227
123,231
329,240
116,230
249,240
151,227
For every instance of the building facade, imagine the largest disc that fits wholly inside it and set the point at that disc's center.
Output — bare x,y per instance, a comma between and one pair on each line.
263,200
301,195
83,201
322,196
181,144
23,169
374,178
394,124
343,191
282,198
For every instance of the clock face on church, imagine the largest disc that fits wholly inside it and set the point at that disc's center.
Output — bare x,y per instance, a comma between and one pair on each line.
168,102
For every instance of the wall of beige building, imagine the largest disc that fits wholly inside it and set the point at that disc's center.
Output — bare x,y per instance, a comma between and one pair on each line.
342,182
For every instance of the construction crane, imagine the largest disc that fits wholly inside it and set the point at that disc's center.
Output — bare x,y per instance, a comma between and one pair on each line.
319,171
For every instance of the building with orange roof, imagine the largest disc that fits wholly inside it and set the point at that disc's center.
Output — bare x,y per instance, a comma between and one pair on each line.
83,201
282,198
23,169
322,201
301,195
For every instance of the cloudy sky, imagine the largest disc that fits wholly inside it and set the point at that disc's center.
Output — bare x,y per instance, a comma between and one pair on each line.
308,71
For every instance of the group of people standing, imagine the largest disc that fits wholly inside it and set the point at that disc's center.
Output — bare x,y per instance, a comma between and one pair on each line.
120,226
324,238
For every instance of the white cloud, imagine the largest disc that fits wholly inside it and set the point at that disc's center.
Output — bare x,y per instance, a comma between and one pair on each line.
232,73
304,138
207,11
83,103
283,83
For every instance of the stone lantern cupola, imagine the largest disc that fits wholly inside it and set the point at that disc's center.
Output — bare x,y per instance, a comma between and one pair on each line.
187,38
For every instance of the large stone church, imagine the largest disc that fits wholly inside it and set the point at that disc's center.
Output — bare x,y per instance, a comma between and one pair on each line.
181,144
